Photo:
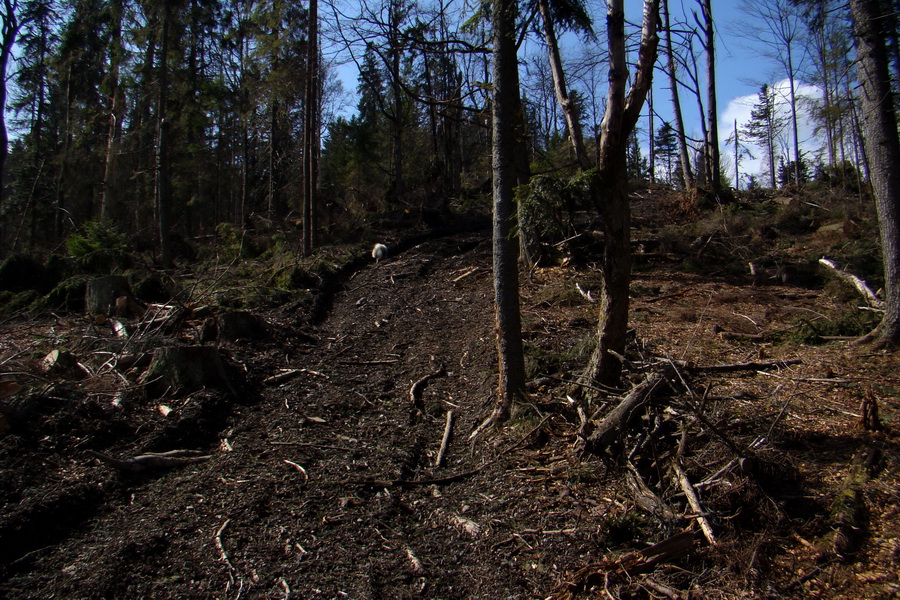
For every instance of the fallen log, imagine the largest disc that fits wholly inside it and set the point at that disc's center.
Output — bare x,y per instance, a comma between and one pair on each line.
694,502
748,366
858,284
617,420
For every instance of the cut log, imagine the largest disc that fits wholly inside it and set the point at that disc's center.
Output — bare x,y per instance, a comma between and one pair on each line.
185,369
60,363
614,424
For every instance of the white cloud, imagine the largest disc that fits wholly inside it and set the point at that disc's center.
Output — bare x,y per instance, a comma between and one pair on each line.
739,109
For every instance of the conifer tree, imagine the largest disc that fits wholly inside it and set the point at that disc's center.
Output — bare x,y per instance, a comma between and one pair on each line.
764,127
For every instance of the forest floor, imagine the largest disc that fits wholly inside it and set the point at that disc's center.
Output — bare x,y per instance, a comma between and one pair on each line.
323,483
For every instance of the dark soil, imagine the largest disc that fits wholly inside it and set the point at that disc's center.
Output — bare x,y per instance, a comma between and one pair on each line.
324,485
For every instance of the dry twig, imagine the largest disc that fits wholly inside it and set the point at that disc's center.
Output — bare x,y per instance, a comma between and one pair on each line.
445,441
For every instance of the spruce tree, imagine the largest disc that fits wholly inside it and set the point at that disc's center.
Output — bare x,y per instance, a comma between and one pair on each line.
765,126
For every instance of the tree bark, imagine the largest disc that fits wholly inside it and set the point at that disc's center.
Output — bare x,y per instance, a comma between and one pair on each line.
109,205
684,157
511,358
611,188
569,109
10,29
883,151
163,197
311,131
712,143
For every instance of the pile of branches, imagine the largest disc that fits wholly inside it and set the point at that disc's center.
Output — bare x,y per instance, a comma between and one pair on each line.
715,480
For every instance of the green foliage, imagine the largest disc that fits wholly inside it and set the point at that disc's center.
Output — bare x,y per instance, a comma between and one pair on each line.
666,146
547,206
99,248
786,175
851,324
12,303
68,295
844,175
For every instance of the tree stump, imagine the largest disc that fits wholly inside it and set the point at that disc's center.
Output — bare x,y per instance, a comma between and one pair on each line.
233,325
102,292
185,369
240,324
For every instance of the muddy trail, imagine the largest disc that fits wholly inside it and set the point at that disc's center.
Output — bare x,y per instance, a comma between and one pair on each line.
315,472
317,485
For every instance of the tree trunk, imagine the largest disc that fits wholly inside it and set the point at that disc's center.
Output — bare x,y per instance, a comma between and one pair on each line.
506,103
311,131
109,204
611,188
883,150
569,109
163,199
712,144
683,156
10,29
794,125
702,172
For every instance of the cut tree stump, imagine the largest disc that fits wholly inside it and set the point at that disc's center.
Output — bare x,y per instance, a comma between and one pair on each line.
102,293
185,369
233,325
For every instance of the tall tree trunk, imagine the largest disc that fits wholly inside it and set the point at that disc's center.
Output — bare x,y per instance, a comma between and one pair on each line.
702,171
505,107
310,131
10,29
611,189
794,125
109,204
652,135
569,108
883,149
712,143
737,157
770,136
163,193
687,172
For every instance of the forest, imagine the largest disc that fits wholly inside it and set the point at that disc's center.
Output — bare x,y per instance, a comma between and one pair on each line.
608,344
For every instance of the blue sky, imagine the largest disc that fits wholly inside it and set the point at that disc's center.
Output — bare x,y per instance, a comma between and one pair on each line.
740,72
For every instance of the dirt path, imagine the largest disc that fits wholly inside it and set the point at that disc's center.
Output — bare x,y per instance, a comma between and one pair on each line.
310,490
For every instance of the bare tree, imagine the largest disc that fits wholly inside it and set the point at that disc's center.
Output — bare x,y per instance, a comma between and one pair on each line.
684,158
776,26
611,186
712,139
883,149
